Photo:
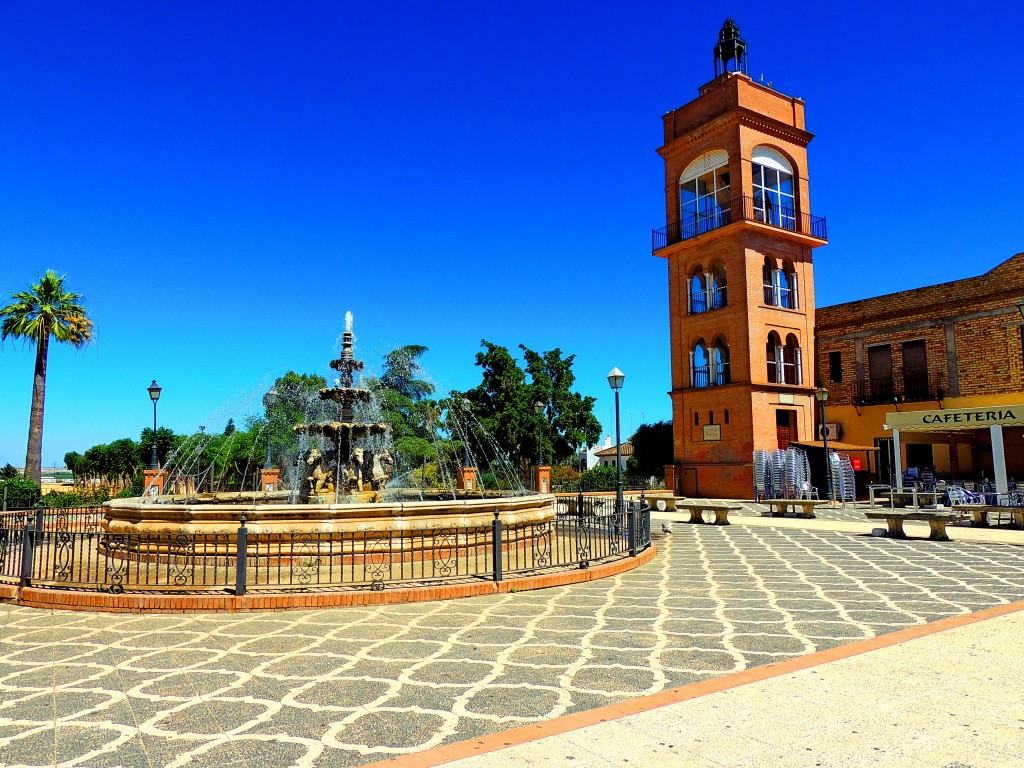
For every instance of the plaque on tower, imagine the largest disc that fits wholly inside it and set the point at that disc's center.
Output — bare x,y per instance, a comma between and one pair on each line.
712,432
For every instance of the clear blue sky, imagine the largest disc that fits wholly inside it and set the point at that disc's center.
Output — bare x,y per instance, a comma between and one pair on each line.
222,181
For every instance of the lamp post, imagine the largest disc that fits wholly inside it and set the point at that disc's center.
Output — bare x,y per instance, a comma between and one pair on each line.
154,395
821,395
615,380
269,401
538,408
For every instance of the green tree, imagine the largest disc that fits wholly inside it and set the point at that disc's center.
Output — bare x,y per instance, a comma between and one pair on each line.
652,450
18,493
166,442
598,479
568,419
8,471
45,311
291,400
73,461
503,402
405,399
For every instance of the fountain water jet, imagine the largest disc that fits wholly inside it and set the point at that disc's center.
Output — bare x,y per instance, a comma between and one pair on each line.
343,470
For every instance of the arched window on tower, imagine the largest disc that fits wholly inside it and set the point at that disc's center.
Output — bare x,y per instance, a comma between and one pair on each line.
699,373
697,296
704,196
774,196
767,277
780,285
792,361
774,355
717,296
720,362
788,282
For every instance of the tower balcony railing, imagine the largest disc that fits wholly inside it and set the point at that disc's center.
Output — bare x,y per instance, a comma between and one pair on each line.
707,299
709,375
757,209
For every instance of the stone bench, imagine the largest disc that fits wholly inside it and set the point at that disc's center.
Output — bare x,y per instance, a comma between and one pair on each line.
894,519
698,508
980,512
779,507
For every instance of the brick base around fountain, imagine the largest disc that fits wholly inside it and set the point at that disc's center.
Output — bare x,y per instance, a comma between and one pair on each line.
413,593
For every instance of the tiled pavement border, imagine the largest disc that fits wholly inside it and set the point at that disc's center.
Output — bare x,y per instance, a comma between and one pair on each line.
168,603
500,740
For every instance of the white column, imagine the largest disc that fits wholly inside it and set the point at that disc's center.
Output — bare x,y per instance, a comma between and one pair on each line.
897,460
998,458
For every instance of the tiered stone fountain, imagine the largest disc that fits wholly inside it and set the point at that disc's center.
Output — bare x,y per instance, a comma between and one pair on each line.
342,491
345,470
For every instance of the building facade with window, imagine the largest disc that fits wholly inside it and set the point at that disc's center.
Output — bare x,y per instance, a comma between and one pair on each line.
946,347
738,243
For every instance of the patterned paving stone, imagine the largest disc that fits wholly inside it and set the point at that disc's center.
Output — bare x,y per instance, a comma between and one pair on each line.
351,686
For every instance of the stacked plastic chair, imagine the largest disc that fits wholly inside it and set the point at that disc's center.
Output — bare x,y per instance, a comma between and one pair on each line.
844,486
762,471
780,474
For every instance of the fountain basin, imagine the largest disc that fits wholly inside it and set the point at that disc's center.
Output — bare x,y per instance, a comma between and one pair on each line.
173,515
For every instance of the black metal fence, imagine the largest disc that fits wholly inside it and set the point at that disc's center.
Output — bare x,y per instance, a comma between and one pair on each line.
911,385
70,549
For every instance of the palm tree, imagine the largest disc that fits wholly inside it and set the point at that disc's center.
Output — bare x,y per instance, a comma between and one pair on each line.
35,316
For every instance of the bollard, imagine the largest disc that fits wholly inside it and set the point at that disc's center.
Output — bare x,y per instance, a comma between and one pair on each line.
39,524
497,546
27,545
241,557
631,521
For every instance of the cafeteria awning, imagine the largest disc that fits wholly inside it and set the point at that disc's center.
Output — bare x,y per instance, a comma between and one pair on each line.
992,417
956,419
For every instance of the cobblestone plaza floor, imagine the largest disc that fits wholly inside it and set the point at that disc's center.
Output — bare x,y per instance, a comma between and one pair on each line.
348,687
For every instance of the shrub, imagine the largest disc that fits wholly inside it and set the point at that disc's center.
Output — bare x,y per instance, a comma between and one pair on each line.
18,493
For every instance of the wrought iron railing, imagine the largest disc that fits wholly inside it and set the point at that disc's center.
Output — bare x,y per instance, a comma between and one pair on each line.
708,299
780,296
712,375
71,549
908,386
739,209
785,372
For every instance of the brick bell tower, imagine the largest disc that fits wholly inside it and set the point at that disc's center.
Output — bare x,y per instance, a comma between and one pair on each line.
741,283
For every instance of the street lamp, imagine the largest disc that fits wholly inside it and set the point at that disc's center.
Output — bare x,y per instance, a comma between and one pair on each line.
615,380
154,395
269,401
538,408
821,395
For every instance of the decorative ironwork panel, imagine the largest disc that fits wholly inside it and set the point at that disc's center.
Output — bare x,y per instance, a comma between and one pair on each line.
63,555
305,559
182,551
117,561
377,558
446,552
583,540
541,535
